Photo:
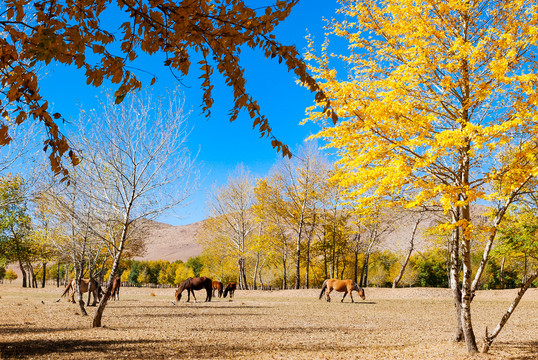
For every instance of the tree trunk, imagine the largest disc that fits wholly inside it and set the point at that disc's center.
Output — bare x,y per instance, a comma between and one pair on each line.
58,274
260,273
80,301
356,265
406,261
243,285
404,265
502,272
23,272
115,264
364,271
44,275
325,263
467,293
90,278
307,275
488,339
454,283
309,241
285,272
298,262
255,271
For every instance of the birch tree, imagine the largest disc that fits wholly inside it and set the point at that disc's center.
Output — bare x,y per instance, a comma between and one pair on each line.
438,105
230,209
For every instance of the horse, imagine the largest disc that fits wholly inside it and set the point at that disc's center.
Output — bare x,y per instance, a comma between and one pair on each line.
94,287
115,293
345,286
197,283
217,285
230,288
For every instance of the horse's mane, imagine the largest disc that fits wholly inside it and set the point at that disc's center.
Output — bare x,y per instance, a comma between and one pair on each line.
184,284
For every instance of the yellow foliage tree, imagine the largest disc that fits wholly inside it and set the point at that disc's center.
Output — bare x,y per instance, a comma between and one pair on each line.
438,106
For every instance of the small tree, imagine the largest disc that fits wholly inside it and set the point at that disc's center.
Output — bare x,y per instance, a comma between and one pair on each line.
135,166
10,275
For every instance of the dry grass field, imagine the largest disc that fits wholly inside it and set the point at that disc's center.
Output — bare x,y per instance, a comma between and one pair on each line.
144,324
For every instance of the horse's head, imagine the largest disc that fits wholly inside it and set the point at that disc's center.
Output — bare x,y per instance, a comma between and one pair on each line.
178,295
360,290
361,293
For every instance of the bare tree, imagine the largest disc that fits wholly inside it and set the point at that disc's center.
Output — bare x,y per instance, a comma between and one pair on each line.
135,165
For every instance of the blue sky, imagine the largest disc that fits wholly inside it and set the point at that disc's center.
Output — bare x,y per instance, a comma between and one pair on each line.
223,145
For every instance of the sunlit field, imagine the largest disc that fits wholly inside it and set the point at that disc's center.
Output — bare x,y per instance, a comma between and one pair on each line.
411,323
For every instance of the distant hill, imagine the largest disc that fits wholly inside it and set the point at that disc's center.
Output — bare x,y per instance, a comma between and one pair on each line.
168,242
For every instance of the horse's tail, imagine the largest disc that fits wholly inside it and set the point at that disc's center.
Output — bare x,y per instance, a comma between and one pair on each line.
67,288
323,288
225,291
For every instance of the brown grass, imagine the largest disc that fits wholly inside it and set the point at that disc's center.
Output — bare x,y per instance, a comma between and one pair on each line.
294,324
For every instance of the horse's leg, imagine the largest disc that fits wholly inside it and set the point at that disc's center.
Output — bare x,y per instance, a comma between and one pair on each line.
328,292
351,295
343,297
194,296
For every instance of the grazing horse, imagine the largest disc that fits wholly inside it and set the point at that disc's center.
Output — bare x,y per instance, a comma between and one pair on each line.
197,283
115,293
217,285
345,286
94,287
230,288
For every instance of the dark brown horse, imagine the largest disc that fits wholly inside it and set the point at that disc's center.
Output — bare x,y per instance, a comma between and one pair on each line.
230,288
197,283
217,285
345,286
115,294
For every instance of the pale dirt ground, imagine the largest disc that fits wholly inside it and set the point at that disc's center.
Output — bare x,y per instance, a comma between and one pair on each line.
390,324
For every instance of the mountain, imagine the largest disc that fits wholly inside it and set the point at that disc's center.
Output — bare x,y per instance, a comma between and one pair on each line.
168,242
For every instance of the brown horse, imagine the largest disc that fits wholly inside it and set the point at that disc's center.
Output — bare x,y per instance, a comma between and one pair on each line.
345,286
230,288
115,294
94,286
197,283
217,285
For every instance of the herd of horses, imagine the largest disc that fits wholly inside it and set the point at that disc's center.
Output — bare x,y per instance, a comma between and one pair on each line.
204,283
94,288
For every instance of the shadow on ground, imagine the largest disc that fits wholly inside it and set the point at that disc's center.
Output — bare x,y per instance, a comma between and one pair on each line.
73,348
526,350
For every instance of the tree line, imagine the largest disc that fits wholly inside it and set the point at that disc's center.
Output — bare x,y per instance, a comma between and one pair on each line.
294,228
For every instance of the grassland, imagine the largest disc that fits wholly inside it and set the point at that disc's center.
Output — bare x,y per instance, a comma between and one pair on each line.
390,324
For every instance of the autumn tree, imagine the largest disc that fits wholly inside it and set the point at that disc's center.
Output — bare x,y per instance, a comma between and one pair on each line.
74,33
300,180
438,106
270,211
135,166
231,218
15,227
